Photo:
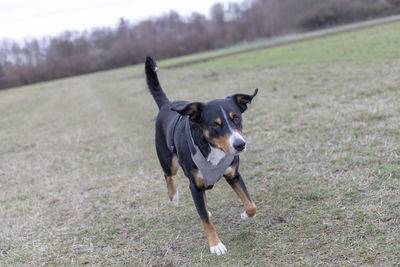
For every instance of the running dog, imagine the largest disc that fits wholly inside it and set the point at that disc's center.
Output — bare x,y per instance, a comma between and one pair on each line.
205,139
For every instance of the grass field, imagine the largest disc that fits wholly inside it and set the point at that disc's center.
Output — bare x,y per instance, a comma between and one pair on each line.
80,183
271,42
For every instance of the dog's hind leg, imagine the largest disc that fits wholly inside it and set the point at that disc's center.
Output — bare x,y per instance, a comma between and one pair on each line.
172,192
169,164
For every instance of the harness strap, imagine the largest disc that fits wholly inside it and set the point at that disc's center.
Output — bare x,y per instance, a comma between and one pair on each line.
211,173
192,146
171,142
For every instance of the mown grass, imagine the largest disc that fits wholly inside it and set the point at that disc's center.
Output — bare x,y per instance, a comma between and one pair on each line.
80,182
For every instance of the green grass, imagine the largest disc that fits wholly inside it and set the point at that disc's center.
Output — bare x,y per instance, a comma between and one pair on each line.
273,41
80,182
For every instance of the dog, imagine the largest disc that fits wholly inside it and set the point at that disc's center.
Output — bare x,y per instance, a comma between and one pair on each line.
205,139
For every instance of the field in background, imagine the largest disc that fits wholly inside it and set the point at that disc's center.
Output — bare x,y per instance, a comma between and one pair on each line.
80,182
272,42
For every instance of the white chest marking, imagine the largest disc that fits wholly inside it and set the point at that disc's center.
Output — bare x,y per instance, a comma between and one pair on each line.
215,155
200,175
229,170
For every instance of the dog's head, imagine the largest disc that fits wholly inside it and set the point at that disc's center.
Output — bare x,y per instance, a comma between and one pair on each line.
221,121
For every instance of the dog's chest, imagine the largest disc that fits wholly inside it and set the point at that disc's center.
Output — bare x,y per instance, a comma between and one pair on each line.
215,156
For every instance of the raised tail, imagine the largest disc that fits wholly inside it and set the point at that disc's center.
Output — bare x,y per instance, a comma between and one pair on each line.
152,82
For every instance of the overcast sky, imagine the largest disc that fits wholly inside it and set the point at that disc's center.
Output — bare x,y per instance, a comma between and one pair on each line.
37,18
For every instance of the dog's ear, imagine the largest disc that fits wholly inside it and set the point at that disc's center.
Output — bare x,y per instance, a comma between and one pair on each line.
193,110
241,100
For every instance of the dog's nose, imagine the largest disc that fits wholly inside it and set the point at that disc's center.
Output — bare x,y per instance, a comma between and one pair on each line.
239,145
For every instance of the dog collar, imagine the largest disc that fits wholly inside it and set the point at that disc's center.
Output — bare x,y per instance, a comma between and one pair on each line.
211,173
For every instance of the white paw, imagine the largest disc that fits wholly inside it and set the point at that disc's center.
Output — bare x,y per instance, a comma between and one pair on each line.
244,216
209,214
218,249
175,199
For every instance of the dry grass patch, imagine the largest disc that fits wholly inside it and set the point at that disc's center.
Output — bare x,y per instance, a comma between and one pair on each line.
80,182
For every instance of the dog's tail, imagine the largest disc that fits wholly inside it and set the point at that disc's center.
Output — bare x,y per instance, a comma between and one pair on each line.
152,82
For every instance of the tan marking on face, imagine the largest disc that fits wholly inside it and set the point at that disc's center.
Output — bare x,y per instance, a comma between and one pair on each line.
218,121
231,114
222,143
198,178
171,187
209,228
251,208
174,165
207,134
231,174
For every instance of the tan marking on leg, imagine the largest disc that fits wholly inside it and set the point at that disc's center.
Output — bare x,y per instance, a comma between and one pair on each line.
210,232
231,114
209,229
231,174
170,181
174,165
222,143
171,187
251,208
198,178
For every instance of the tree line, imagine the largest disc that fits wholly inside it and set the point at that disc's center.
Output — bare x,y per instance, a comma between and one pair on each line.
169,35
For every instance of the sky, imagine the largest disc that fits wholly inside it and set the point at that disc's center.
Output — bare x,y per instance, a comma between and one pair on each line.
21,19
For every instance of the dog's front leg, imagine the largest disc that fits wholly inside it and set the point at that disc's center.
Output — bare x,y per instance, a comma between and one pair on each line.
199,198
236,182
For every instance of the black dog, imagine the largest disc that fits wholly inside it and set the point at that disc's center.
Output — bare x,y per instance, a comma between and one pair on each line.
205,140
